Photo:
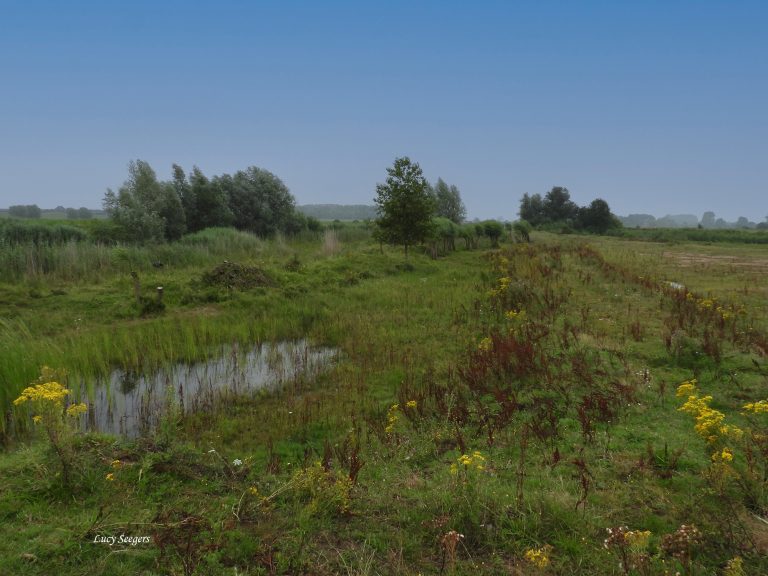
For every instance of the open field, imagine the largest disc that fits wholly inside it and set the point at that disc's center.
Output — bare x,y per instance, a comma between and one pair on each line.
493,411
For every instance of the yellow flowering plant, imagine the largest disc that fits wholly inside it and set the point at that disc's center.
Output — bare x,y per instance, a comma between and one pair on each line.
538,557
45,398
725,440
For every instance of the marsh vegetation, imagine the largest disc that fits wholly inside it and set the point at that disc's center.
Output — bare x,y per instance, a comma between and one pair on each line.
570,405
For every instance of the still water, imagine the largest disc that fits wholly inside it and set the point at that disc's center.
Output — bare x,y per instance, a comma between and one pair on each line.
131,404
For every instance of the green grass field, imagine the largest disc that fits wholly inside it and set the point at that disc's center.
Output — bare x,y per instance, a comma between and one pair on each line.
493,411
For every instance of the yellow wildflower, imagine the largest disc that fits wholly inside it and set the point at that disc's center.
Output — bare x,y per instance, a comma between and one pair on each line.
37,419
411,404
759,407
539,557
476,461
724,456
110,477
638,539
392,418
48,391
74,410
687,388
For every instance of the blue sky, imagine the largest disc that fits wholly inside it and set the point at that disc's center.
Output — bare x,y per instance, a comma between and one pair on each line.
657,107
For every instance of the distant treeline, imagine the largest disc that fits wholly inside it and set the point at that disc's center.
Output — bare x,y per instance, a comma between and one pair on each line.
34,212
708,221
338,211
693,235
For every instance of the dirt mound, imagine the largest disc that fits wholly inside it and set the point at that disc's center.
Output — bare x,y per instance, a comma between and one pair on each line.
237,276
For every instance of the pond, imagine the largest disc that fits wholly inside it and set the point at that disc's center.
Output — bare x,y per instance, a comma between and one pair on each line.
131,404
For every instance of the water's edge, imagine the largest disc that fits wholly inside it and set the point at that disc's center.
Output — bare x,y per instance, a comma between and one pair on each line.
130,404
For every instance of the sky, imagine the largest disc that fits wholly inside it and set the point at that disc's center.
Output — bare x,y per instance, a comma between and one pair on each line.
655,106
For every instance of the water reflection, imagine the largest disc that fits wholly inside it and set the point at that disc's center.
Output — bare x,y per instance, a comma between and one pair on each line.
130,404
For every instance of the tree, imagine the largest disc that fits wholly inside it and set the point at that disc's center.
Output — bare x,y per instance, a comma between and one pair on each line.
532,209
210,203
404,205
708,220
522,231
183,191
26,211
134,208
597,217
493,229
448,202
171,211
557,206
260,202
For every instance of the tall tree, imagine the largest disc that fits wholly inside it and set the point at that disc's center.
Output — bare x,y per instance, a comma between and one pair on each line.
210,203
449,203
597,217
135,206
183,190
404,205
532,209
260,202
557,206
170,209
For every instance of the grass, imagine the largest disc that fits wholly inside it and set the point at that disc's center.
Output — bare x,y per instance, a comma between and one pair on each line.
554,361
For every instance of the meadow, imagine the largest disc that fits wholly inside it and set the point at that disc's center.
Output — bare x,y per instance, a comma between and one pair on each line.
574,405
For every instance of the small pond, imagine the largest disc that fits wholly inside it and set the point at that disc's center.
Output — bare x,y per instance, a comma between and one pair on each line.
130,404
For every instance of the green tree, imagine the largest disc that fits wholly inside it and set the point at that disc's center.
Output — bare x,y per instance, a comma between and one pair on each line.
597,217
522,231
260,202
144,209
25,211
557,206
532,209
183,190
448,202
210,203
493,229
171,211
134,207
404,205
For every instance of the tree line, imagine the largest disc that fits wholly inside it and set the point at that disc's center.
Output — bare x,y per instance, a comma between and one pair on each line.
411,211
708,221
34,212
145,209
557,210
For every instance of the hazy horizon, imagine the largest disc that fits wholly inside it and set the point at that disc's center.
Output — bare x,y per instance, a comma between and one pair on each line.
655,107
